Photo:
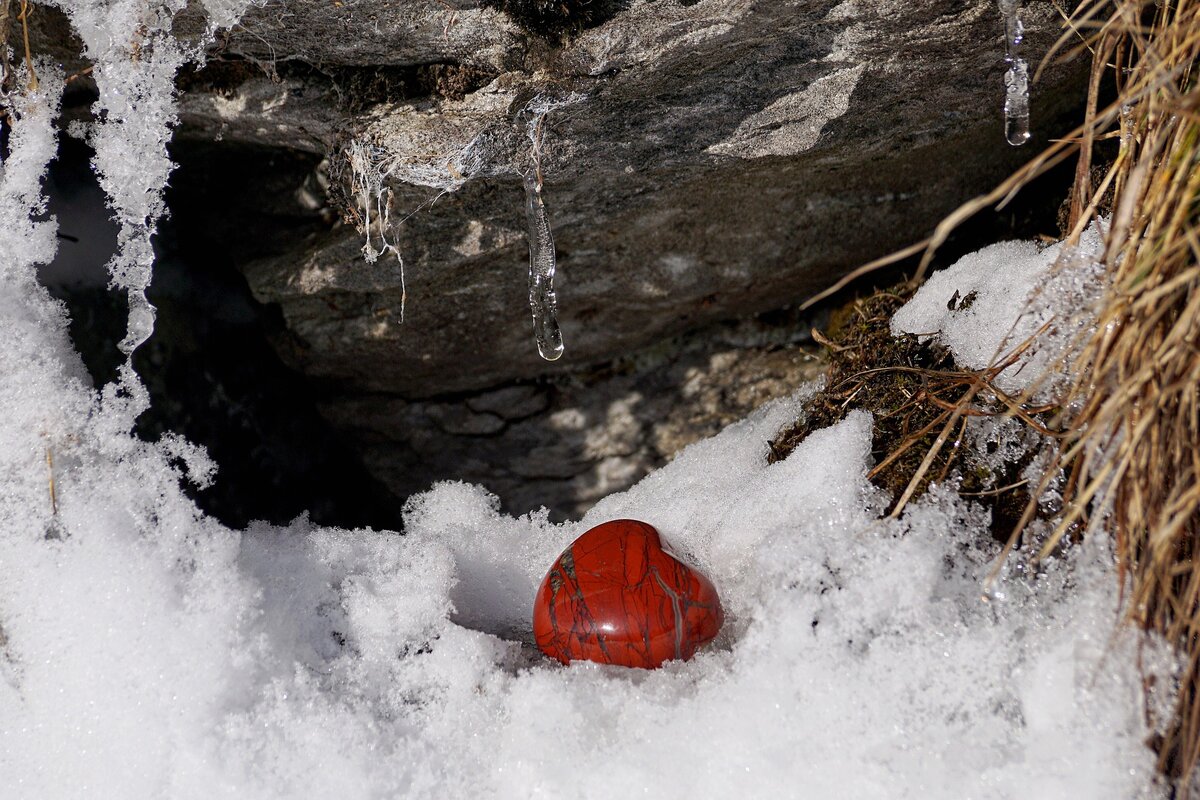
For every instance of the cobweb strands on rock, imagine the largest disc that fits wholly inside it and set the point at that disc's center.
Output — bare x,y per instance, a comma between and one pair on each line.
374,201
368,165
443,157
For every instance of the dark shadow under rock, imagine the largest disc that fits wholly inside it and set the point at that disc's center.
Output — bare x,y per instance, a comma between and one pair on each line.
557,19
566,443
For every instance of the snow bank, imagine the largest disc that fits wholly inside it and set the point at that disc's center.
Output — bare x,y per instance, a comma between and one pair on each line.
149,652
152,653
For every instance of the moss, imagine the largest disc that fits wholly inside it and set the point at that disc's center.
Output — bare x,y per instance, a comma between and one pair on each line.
362,88
869,369
456,81
964,303
907,385
558,20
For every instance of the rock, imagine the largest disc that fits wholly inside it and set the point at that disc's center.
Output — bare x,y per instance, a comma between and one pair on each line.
619,595
564,444
703,161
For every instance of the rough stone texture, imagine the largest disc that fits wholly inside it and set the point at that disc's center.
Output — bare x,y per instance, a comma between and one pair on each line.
701,161
704,160
567,443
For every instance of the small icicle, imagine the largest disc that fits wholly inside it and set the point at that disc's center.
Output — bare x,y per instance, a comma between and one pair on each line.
1016,77
542,300
141,321
1016,103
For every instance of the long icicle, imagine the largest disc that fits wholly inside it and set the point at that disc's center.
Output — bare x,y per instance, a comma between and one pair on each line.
542,260
1016,77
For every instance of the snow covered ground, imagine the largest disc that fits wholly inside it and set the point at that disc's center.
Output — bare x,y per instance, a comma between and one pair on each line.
151,653
148,652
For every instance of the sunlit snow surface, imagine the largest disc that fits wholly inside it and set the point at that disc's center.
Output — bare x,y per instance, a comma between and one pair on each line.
995,302
149,652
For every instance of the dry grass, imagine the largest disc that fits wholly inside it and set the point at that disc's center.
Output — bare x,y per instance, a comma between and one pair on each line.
1127,434
1128,437
1131,450
921,402
9,15
6,20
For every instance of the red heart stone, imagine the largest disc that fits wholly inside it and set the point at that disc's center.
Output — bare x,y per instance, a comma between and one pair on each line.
618,595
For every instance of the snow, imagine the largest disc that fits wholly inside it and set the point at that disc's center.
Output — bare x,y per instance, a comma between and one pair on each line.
135,59
134,64
151,652
148,651
1002,295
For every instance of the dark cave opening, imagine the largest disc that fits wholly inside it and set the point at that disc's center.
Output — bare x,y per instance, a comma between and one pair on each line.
211,371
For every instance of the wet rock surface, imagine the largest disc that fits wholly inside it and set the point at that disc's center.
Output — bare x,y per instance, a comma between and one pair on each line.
701,162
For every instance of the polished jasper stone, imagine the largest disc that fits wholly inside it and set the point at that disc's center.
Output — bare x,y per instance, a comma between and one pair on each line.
618,595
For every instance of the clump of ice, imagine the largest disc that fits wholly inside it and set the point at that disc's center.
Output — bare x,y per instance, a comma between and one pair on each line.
989,303
135,58
148,651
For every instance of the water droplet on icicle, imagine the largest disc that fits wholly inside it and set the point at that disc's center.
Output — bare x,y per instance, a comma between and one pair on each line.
542,260
1016,103
1016,77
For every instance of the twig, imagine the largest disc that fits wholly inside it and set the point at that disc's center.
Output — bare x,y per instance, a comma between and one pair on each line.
24,17
50,472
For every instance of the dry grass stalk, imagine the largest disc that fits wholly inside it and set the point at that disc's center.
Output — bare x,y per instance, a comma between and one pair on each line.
922,403
7,17
1131,454
5,27
1129,447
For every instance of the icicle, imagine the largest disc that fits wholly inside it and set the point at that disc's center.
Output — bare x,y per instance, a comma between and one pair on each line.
1016,103
542,300
1016,77
141,320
